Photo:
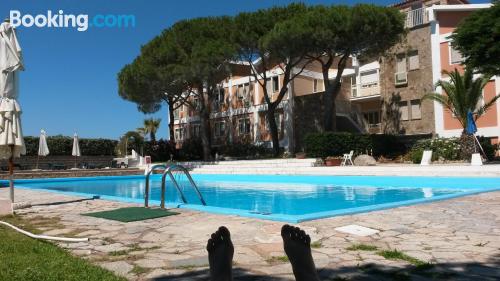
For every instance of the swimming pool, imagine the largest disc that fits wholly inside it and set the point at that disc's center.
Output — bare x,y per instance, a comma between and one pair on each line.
277,197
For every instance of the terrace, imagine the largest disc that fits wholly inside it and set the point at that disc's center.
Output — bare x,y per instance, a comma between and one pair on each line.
456,239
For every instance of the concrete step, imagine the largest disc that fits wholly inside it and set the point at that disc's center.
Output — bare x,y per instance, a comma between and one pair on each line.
272,163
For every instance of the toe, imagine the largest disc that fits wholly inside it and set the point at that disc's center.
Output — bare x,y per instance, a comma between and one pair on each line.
224,233
285,231
308,240
210,245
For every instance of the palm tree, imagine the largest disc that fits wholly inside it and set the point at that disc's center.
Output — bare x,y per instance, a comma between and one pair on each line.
151,127
463,94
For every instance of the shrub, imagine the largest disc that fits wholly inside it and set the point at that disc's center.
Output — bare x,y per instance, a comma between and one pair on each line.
62,145
442,148
160,150
489,149
245,150
336,144
192,149
389,146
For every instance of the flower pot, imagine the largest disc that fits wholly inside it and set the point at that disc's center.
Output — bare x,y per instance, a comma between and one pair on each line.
333,162
300,155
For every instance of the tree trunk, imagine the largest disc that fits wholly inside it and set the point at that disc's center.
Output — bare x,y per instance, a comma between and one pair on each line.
331,93
171,118
273,129
468,146
205,135
152,136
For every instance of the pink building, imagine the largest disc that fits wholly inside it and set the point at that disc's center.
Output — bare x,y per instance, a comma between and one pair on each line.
444,19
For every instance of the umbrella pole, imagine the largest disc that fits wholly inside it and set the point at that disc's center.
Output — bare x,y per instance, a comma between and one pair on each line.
11,174
75,162
37,160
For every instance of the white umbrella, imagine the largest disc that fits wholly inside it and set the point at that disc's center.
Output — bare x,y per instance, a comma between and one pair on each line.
76,147
11,137
43,149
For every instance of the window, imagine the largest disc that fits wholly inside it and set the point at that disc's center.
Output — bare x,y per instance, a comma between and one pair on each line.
455,56
196,103
243,91
416,112
315,85
369,78
413,60
354,87
272,85
372,118
177,113
277,119
276,86
179,133
400,63
403,110
219,128
219,98
195,130
244,126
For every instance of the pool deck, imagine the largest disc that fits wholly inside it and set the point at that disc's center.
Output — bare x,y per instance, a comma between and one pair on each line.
461,237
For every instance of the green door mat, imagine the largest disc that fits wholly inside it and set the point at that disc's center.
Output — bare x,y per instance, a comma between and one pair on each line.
131,214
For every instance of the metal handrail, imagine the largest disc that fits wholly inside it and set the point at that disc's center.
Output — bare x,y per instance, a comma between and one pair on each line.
146,193
174,181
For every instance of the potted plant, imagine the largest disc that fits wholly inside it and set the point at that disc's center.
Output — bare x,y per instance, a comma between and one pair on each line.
333,161
300,155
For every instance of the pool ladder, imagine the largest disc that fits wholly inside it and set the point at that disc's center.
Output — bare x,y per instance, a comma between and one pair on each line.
169,170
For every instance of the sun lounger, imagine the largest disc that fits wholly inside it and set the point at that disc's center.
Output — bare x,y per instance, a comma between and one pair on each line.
426,158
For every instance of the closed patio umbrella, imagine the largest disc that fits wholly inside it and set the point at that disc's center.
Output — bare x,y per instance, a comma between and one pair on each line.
43,149
11,136
471,129
76,147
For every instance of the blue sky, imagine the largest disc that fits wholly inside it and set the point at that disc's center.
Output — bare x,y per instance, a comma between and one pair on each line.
69,84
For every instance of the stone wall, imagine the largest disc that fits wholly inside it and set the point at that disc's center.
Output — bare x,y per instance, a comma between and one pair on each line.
29,162
71,173
419,83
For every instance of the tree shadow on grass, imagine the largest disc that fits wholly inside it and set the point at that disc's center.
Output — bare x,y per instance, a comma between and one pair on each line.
487,271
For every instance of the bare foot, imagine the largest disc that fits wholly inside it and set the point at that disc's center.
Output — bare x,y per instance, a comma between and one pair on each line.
297,246
220,255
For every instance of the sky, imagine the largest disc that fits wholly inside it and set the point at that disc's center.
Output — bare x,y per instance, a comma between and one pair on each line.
69,83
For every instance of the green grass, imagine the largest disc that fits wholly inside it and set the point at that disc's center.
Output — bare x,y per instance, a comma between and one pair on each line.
134,247
362,247
278,259
138,270
27,259
397,255
316,244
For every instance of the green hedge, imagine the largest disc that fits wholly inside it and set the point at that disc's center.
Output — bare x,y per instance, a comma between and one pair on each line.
61,145
336,144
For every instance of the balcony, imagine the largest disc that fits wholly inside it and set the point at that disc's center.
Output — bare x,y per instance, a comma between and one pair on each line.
365,90
416,17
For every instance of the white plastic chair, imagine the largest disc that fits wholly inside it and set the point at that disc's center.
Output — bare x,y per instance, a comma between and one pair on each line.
347,159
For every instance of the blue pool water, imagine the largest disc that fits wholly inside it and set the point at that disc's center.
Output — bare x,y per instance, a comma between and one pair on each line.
283,198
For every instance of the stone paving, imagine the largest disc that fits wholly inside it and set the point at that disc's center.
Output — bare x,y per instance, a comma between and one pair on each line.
459,238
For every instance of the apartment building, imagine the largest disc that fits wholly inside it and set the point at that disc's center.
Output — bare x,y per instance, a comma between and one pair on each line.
444,20
382,96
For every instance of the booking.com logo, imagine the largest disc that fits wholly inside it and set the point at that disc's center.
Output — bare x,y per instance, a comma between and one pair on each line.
61,20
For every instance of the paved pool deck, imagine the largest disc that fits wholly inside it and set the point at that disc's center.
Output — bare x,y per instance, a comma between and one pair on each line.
460,237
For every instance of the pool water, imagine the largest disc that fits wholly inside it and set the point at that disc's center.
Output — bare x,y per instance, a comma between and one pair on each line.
283,198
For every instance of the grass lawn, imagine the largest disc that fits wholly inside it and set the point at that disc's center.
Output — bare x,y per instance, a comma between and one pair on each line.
24,258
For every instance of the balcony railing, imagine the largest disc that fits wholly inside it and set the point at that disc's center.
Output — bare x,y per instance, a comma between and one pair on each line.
416,17
365,90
